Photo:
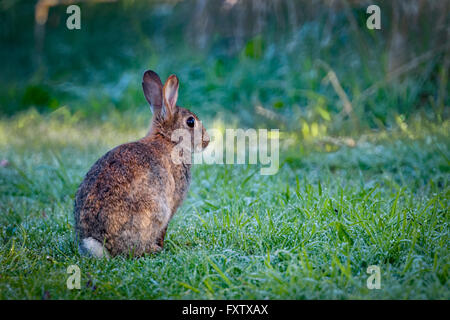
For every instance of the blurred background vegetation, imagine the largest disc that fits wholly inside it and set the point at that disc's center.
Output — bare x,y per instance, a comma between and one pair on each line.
310,68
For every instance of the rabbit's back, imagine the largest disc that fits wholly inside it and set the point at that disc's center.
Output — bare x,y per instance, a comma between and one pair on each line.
125,198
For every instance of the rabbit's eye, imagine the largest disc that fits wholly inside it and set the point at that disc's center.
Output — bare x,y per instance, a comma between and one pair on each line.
190,122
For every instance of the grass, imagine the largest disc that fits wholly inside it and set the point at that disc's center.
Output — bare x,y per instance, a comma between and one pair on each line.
308,232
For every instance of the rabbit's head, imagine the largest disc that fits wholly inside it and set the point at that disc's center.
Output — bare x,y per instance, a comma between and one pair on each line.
170,120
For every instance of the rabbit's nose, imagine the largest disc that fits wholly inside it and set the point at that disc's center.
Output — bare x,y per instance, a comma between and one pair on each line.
206,139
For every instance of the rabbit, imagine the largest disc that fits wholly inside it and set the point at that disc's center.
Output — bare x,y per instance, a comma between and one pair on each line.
127,198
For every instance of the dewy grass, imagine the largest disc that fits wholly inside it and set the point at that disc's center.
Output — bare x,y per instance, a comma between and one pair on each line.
308,232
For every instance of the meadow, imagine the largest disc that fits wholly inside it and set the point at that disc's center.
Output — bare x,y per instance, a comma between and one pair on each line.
364,157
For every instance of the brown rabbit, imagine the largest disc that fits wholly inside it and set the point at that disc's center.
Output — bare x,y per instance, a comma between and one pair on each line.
126,200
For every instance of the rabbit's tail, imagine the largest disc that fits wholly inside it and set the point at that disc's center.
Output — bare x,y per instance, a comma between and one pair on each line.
94,248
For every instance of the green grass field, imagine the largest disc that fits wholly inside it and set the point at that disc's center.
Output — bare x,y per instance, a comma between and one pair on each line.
308,232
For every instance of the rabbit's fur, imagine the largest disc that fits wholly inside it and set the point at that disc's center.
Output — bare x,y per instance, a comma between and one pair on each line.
126,200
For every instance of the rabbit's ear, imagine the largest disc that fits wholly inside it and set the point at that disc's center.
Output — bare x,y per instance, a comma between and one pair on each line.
170,94
153,89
